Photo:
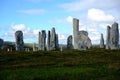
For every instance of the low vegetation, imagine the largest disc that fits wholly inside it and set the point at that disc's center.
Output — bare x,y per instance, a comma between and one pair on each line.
93,64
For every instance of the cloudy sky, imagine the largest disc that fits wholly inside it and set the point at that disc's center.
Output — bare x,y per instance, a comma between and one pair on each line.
32,16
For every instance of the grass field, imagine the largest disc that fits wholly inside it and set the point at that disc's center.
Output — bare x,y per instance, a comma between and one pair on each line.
93,64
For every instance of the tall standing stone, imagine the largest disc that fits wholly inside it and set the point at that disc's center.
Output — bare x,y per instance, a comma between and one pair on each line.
102,42
75,32
53,40
114,37
69,42
39,41
56,42
1,44
108,37
81,39
54,45
43,40
48,41
19,40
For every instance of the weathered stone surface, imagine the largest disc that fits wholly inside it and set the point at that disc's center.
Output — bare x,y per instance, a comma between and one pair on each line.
54,45
19,40
114,36
84,41
75,32
69,42
81,39
112,41
108,38
102,42
43,40
48,41
53,40
39,41
57,42
1,44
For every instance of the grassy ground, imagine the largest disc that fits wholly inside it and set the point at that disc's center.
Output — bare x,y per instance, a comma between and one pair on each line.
94,64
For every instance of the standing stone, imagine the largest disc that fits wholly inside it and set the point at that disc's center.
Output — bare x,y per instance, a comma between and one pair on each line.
69,42
48,41
53,40
56,42
19,40
81,39
84,41
114,36
108,37
1,44
39,41
75,32
43,40
102,42
34,46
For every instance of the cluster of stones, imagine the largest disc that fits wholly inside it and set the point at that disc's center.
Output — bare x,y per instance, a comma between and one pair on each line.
112,38
112,41
81,39
52,40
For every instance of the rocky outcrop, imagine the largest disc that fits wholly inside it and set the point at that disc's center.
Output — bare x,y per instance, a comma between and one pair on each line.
102,42
69,42
19,40
81,39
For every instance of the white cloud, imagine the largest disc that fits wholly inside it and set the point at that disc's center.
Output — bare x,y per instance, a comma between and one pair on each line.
29,34
99,15
69,19
35,32
16,27
63,38
32,11
78,5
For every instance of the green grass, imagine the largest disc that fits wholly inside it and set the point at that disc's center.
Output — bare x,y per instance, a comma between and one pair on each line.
93,64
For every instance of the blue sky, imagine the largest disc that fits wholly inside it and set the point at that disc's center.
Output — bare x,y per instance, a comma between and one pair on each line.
32,16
